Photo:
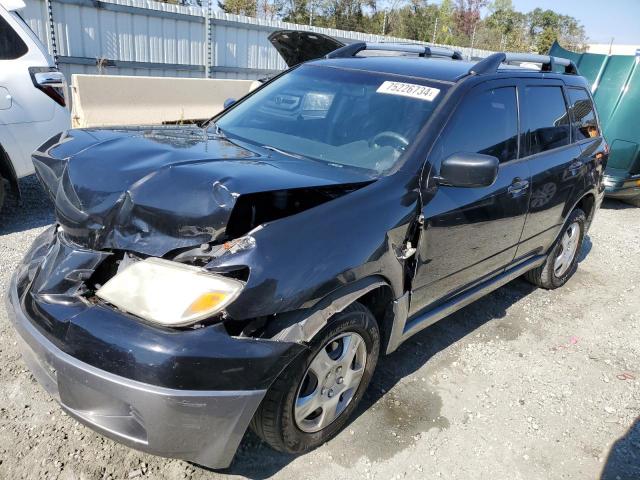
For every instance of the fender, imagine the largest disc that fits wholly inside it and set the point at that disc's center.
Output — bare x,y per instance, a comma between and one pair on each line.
303,325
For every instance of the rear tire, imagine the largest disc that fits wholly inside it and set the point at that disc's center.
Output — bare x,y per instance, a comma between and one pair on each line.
562,261
281,421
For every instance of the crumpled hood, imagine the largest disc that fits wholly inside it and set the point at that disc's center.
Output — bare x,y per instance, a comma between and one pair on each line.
153,190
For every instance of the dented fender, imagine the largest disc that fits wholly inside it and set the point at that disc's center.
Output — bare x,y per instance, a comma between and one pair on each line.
292,267
305,324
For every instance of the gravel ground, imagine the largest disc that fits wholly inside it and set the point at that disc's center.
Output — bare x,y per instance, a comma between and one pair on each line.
523,384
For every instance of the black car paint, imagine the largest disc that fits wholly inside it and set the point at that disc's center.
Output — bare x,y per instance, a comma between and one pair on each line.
164,181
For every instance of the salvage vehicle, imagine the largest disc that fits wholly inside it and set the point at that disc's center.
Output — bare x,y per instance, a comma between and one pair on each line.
615,85
33,105
199,280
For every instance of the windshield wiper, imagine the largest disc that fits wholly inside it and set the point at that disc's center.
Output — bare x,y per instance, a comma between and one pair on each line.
284,152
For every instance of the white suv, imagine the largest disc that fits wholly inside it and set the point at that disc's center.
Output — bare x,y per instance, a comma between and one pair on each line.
33,105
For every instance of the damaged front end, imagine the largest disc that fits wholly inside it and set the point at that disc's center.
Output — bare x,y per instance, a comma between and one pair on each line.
178,194
53,287
175,286
186,393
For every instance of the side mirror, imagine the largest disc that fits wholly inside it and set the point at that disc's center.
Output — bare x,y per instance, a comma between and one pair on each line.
468,170
228,102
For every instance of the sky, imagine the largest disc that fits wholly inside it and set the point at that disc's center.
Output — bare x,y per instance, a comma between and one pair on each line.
602,19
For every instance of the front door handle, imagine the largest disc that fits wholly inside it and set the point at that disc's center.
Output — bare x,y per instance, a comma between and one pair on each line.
518,187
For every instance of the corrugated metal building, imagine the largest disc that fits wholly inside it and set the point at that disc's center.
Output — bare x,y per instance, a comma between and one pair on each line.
143,37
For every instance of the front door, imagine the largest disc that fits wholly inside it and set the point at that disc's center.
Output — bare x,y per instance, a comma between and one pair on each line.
472,233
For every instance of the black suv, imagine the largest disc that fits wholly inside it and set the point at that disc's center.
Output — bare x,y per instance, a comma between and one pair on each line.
199,279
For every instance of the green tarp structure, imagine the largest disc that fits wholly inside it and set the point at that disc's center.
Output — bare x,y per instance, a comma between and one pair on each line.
615,81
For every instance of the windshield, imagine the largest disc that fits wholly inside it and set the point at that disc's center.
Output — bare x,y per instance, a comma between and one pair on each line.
343,117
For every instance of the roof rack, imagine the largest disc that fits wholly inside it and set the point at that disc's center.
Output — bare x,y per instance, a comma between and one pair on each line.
492,63
353,49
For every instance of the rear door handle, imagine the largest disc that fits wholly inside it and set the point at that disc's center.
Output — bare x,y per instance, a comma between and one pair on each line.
518,186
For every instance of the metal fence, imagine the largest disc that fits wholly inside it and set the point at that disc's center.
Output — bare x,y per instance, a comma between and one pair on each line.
143,37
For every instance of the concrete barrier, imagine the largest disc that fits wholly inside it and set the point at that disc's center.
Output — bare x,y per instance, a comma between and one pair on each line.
109,100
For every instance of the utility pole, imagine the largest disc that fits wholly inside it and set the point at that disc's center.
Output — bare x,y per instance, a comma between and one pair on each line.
310,13
435,30
384,24
52,32
209,39
473,38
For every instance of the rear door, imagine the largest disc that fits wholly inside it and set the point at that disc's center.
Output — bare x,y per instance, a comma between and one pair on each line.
471,234
554,160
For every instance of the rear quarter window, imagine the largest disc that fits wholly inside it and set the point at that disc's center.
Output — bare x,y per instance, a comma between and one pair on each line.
545,118
11,45
583,115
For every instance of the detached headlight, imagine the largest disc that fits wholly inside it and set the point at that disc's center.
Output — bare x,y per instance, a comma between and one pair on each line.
169,293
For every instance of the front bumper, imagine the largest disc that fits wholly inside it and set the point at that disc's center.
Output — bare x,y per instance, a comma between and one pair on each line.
183,393
202,426
622,189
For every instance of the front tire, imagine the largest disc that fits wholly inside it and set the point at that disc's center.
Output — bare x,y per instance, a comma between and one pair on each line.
314,397
3,191
562,261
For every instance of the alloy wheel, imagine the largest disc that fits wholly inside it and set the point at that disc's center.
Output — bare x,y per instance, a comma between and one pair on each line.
568,249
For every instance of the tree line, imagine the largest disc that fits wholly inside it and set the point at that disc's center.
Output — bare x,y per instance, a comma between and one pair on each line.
482,24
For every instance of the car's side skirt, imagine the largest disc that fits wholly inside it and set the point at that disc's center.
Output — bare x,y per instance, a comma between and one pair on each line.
404,327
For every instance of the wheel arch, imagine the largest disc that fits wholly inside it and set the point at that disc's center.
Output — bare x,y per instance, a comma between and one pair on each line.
374,292
587,204
8,172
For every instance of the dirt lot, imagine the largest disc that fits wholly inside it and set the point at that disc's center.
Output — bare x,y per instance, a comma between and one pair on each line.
523,384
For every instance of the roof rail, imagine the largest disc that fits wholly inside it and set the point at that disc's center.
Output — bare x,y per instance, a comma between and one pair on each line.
492,63
353,49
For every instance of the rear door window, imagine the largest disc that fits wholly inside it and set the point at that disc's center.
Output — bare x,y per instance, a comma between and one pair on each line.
583,116
11,45
546,122
487,123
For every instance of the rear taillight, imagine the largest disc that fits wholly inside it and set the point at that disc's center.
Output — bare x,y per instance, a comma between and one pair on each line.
50,81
